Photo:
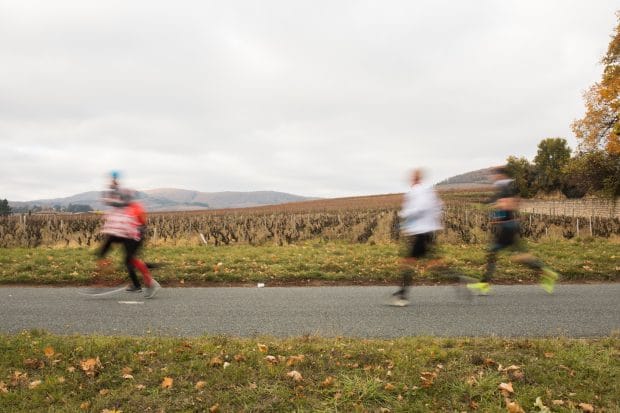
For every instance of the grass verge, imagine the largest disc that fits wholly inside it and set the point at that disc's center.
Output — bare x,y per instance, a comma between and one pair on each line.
314,262
43,372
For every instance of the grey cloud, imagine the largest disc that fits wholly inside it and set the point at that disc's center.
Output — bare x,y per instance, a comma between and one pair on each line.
314,98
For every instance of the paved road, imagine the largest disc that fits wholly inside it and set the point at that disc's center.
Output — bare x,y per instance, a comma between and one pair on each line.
573,310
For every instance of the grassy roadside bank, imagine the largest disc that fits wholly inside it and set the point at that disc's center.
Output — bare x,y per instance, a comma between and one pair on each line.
43,372
311,262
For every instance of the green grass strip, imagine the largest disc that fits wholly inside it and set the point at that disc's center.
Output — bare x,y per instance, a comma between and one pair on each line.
43,372
312,262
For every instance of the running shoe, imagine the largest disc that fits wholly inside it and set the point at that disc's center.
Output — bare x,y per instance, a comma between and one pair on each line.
152,289
399,302
548,279
481,288
133,289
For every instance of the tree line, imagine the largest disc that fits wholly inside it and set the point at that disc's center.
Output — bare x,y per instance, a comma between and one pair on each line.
6,209
594,169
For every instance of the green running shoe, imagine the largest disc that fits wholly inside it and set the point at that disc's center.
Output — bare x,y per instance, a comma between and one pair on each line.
548,280
481,288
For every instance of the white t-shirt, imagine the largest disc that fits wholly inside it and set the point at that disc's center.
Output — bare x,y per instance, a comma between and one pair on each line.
421,211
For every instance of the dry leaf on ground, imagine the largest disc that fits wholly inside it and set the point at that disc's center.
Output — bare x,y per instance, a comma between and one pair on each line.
329,381
49,352
428,378
34,384
292,360
85,406
541,406
200,384
295,375
216,362
91,366
513,407
586,407
271,359
262,348
506,388
167,383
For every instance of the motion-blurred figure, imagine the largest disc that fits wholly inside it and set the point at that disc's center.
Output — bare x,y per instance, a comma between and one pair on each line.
505,225
420,219
125,223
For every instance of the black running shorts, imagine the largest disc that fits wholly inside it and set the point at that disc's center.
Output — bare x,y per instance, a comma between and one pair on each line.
419,245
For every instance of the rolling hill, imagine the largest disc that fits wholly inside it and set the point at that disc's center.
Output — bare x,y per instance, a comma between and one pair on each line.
173,199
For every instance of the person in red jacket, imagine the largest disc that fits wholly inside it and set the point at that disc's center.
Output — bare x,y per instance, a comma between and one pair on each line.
125,224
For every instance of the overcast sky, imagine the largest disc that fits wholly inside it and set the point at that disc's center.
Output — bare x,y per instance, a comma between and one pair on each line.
317,98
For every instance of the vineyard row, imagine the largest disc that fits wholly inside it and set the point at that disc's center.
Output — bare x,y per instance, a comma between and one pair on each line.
462,225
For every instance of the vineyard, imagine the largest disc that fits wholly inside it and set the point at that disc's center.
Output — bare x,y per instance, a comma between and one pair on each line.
358,220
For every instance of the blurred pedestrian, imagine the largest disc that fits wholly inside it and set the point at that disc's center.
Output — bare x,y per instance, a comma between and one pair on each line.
125,224
505,229
420,220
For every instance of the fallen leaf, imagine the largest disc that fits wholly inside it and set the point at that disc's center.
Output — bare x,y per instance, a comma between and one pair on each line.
384,410
34,363
140,386
71,369
388,387
292,360
49,352
588,408
428,378
216,362
558,402
473,405
271,359
509,368
239,358
472,381
127,370
549,355
252,386
85,405
3,388
199,385
262,348
167,383
295,375
34,384
541,406
127,376
328,382
104,392
91,366
570,371
60,379
513,407
111,411
215,408
489,362
506,388
18,377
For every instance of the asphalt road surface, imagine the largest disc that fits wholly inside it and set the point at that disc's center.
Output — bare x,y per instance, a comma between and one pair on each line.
511,311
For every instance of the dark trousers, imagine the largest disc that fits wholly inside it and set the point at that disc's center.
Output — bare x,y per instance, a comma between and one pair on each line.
130,246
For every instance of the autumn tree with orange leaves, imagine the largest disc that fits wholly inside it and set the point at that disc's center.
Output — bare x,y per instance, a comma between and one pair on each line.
600,127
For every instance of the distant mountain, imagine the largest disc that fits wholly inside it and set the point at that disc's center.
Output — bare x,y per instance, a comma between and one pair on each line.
478,178
172,199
